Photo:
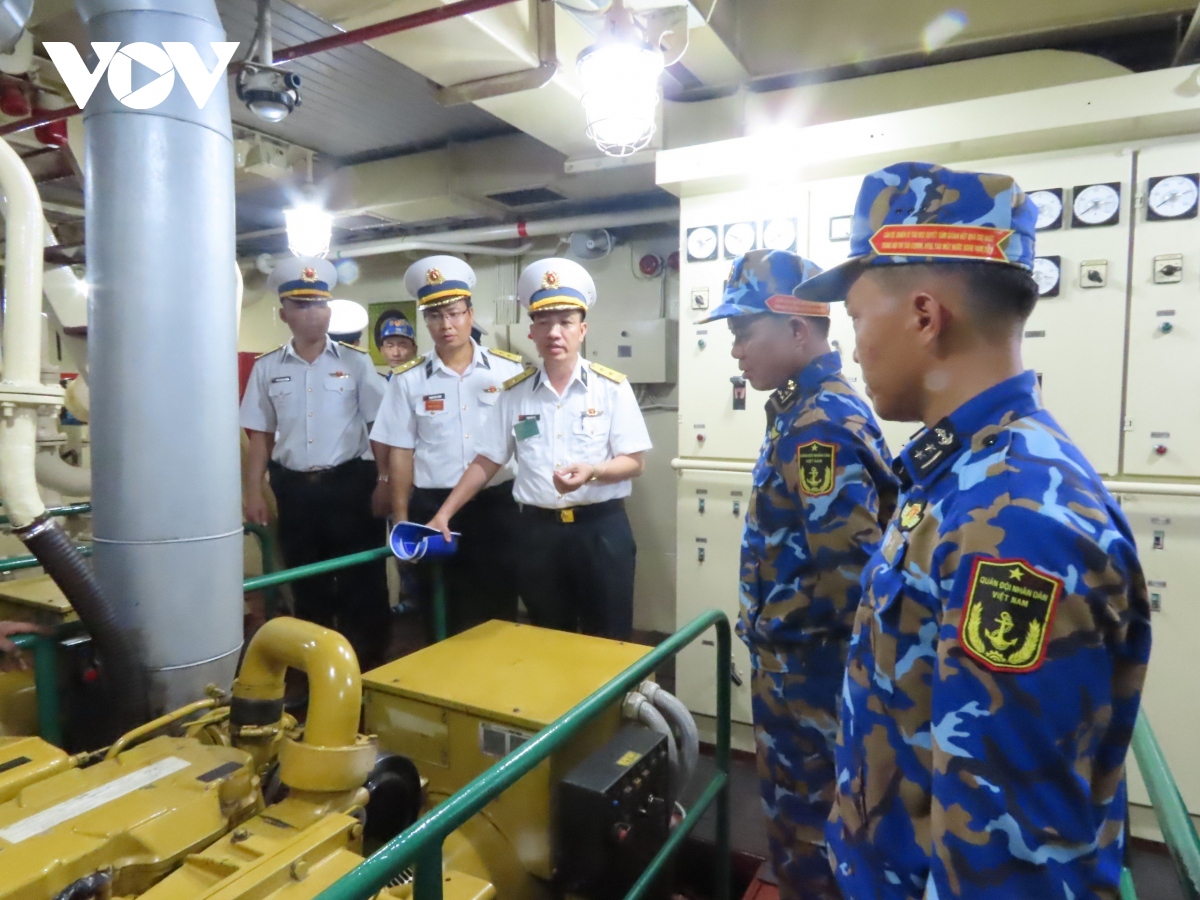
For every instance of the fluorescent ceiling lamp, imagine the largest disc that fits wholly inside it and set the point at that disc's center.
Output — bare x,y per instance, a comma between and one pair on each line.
620,75
309,229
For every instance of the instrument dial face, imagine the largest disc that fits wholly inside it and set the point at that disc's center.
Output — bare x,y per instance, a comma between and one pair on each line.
1096,204
1047,272
1173,197
702,243
1050,208
779,234
740,238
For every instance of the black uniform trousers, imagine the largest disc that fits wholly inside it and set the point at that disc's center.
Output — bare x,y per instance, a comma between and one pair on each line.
578,575
326,514
479,578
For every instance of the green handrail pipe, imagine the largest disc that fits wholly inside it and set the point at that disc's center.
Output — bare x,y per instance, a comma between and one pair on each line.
1169,808
283,576
45,680
422,842
13,563
266,549
72,509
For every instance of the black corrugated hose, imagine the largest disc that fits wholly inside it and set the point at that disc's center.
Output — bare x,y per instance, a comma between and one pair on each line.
121,673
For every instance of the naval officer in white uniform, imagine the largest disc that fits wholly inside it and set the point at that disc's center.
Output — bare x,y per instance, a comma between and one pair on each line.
307,410
578,437
437,409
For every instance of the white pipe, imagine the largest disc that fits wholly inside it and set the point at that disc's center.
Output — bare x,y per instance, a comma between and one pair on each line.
510,232
710,465
1114,485
56,473
21,389
684,726
640,709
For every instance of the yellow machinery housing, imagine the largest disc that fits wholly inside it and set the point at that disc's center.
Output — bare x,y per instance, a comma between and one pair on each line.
196,815
457,707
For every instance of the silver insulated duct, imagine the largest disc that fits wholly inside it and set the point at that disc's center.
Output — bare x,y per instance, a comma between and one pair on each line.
162,353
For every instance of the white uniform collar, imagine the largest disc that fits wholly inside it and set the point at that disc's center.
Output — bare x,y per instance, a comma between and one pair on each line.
478,358
581,374
330,347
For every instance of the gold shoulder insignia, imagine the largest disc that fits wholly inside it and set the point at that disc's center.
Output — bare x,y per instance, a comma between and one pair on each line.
504,354
268,353
411,364
352,347
517,379
606,372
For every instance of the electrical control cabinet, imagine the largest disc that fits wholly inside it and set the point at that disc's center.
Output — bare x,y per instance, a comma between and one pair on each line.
1162,435
1075,338
1167,531
711,513
719,418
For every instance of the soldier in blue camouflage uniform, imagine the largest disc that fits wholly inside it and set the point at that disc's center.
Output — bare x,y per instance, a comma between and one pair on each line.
1000,649
823,490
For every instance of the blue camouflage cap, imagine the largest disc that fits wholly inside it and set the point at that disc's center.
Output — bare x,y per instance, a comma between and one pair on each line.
762,281
396,327
914,212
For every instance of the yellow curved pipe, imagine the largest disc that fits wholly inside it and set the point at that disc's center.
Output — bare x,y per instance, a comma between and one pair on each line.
334,679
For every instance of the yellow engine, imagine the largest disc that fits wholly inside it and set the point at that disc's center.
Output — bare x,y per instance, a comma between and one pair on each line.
246,804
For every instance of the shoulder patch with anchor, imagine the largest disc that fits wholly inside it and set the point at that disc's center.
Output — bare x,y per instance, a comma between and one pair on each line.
269,352
352,347
517,379
817,462
411,364
504,354
1006,618
606,372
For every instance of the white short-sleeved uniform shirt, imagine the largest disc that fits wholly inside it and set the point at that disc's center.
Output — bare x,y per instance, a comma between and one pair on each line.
596,418
441,415
319,412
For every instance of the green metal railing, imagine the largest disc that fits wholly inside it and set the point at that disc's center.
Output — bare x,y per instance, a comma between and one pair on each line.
44,648
73,509
283,576
1169,809
266,549
421,843
14,563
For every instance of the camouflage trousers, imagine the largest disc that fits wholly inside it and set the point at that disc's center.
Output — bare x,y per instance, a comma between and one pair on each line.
795,728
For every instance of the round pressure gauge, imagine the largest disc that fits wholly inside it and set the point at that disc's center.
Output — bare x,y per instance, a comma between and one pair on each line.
780,234
740,238
702,244
1173,197
1047,272
1050,207
1096,204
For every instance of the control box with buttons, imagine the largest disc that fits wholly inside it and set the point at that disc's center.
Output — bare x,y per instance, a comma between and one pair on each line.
613,817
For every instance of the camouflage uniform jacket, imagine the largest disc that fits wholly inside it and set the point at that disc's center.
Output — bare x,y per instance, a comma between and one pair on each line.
995,670
823,492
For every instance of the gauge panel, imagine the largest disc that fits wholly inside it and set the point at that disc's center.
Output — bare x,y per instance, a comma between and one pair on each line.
1095,205
1172,197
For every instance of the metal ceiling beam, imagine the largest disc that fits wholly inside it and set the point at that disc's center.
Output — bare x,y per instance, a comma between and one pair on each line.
512,82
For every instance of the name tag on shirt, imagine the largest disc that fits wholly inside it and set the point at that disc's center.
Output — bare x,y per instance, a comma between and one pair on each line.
281,378
526,427
435,402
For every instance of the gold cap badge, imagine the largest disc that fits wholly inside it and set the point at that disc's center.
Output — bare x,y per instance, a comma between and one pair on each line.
434,276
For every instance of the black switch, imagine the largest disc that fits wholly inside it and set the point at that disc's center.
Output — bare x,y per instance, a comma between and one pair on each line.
1094,275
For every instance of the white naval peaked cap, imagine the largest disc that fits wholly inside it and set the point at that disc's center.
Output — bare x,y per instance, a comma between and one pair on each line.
347,317
438,280
303,278
556,283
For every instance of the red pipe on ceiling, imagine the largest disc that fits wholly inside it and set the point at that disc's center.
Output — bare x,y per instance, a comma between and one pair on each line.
391,26
321,45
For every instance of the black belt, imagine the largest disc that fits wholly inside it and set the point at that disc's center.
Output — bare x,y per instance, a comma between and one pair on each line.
316,475
575,513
